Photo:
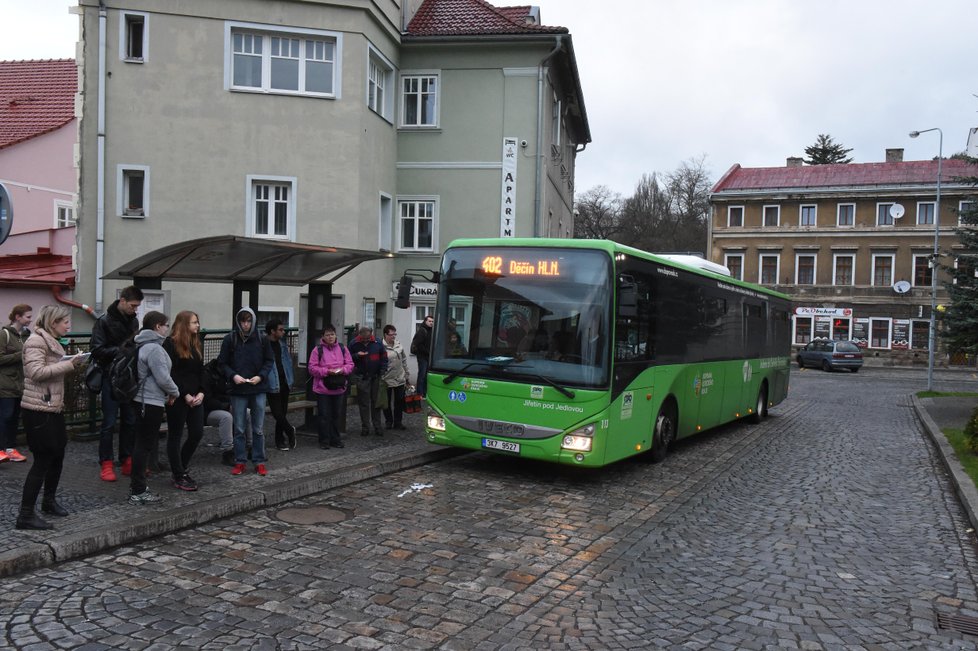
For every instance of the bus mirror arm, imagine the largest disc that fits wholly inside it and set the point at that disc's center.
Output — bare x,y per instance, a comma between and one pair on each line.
403,300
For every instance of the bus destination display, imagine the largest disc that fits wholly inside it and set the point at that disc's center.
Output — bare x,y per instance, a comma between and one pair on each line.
497,265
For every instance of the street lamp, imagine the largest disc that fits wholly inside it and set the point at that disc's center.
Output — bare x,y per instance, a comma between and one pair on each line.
933,262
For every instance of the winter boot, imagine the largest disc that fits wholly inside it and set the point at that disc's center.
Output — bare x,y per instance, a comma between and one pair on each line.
50,506
29,519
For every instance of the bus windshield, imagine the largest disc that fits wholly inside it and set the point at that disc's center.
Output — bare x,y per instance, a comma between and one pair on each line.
525,314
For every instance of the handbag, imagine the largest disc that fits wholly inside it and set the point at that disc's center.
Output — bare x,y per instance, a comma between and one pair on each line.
334,381
93,378
412,403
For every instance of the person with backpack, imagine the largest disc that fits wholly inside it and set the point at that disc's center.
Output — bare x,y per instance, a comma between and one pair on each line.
12,338
330,365
421,348
155,391
187,359
116,326
43,409
246,357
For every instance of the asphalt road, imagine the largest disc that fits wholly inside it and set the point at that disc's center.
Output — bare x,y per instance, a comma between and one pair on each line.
831,525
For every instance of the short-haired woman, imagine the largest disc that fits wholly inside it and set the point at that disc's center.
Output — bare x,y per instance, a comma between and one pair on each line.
12,339
156,389
43,410
330,365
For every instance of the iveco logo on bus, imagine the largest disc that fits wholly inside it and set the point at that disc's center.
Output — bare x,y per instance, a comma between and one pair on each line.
500,429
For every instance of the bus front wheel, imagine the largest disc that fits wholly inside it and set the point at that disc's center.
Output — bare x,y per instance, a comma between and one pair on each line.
665,432
760,407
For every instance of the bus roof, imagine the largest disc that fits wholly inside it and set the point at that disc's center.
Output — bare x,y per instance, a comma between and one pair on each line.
611,248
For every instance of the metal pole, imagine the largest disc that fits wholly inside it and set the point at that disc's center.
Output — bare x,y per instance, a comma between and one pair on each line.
934,258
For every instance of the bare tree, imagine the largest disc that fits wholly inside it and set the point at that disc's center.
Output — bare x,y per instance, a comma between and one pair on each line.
598,214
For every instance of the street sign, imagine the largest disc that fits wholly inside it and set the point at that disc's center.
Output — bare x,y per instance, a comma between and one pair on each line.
6,214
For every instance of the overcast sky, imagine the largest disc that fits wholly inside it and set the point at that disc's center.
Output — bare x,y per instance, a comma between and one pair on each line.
739,81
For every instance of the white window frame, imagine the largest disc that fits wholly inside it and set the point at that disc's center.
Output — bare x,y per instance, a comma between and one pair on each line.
963,207
835,269
913,269
913,340
726,261
888,216
777,208
801,214
814,257
251,180
266,32
385,224
279,308
760,266
889,333
124,42
880,256
730,210
384,80
122,191
418,74
920,205
69,208
838,215
434,199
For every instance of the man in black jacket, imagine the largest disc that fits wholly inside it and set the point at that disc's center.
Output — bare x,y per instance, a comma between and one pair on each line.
421,348
110,331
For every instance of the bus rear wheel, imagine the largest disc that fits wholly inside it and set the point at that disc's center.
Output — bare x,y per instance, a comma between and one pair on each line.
760,407
664,434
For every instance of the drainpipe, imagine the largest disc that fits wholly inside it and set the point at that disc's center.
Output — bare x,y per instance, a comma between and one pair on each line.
56,290
538,199
100,172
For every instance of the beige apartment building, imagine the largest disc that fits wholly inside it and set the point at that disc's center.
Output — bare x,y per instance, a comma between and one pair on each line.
852,244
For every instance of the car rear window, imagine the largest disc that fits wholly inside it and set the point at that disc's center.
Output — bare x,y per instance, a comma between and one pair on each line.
846,347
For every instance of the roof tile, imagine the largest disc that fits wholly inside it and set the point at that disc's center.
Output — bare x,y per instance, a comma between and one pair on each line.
473,18
36,97
921,172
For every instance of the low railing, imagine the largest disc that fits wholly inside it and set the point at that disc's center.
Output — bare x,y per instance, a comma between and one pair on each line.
83,409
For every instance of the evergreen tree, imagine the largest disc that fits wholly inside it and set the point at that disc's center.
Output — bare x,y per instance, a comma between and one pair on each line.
961,316
826,152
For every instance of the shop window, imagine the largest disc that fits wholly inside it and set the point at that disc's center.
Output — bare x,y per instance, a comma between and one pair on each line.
879,333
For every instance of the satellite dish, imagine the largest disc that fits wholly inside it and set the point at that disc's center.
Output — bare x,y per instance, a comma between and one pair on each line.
897,211
901,287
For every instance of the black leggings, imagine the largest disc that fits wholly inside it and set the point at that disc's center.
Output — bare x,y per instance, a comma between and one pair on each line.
47,439
178,414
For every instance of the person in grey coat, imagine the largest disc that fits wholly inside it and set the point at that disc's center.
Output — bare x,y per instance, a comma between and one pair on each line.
156,390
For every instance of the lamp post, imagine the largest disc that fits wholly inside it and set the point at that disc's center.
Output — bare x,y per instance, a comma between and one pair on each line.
933,262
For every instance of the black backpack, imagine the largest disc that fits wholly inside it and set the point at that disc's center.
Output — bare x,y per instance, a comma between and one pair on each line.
124,372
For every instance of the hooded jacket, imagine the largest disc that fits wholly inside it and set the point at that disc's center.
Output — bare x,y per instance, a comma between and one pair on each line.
397,373
109,332
246,355
155,383
44,373
12,361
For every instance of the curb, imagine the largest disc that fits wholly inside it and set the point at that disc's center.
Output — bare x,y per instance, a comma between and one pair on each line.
74,546
963,486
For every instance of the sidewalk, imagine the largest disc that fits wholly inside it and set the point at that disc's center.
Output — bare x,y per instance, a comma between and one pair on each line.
101,517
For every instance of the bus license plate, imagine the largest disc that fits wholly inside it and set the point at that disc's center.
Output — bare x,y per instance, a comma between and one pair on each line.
502,446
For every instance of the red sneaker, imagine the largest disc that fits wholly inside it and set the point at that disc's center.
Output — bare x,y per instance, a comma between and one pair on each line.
108,472
127,466
260,469
14,455
238,469
3,456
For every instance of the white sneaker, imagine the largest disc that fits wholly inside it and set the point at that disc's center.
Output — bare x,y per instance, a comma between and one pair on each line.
145,497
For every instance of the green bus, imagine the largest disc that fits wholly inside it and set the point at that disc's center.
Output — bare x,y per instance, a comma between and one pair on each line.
584,352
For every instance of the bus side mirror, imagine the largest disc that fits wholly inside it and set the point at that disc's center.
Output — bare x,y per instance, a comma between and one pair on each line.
403,299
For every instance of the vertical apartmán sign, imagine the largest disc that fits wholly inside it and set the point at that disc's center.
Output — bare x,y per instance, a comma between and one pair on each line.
507,209
6,214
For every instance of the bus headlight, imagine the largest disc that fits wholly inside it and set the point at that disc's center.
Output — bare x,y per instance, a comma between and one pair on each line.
436,422
579,440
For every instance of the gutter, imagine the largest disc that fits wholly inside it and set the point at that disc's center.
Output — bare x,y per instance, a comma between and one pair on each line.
538,198
100,164
56,291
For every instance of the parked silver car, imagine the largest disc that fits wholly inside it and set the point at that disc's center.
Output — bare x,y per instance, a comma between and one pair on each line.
830,355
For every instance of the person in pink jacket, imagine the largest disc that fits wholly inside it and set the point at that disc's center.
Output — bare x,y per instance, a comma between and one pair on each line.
330,365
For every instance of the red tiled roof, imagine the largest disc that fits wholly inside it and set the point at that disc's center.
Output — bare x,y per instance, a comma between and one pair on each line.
36,97
34,269
473,18
919,172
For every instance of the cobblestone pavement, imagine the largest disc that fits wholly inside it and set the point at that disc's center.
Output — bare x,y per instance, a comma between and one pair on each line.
829,526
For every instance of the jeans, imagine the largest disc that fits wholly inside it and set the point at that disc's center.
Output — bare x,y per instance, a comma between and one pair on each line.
393,412
178,414
328,409
224,423
110,413
422,388
240,404
148,421
9,416
47,439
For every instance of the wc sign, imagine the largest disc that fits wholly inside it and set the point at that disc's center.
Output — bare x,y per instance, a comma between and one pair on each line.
507,209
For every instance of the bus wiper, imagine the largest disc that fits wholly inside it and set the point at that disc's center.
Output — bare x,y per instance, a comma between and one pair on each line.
563,390
492,361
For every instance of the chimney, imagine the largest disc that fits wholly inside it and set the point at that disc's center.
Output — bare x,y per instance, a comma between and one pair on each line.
795,161
894,155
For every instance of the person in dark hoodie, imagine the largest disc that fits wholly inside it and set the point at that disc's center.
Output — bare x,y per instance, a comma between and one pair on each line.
369,365
110,331
247,360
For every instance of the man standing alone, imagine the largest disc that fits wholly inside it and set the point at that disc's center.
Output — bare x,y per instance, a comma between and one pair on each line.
110,331
421,347
279,385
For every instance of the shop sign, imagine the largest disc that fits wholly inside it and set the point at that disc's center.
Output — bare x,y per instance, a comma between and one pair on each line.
419,290
823,311
900,339
860,332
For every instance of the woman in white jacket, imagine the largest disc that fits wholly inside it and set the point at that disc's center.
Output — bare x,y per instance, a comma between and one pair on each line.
43,412
156,390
